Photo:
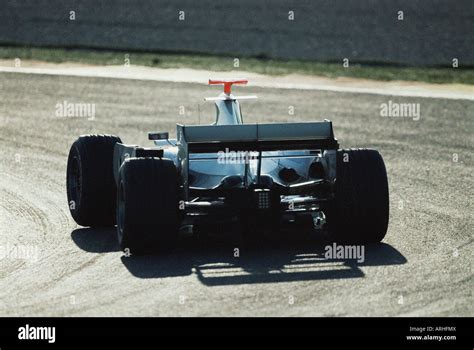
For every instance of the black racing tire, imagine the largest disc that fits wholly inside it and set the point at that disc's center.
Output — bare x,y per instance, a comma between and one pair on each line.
148,214
360,211
91,188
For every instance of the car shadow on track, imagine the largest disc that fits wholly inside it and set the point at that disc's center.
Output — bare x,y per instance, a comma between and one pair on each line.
96,240
216,262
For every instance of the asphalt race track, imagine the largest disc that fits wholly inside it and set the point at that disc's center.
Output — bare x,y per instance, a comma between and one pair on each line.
51,267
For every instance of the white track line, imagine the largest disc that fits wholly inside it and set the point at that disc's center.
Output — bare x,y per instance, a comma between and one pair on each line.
303,82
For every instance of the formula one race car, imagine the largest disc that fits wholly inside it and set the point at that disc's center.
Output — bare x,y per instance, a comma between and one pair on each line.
257,177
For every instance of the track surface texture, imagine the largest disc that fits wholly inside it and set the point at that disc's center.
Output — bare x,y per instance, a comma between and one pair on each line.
422,268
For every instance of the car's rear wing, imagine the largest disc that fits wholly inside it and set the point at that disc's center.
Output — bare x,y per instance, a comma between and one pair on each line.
251,137
257,137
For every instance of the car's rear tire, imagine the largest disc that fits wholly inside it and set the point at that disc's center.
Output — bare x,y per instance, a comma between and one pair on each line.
91,189
147,205
360,211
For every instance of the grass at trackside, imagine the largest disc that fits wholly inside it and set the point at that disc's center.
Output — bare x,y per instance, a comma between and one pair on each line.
221,63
